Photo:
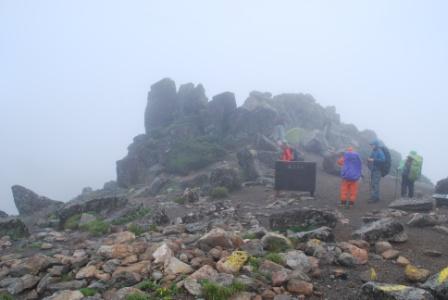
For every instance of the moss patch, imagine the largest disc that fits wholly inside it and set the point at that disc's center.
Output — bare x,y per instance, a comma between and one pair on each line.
219,192
213,291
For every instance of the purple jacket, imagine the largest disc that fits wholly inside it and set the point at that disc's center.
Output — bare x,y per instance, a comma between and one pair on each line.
352,168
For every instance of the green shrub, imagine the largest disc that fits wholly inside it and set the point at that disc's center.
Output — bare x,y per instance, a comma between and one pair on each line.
4,296
36,245
138,296
274,257
213,291
179,200
136,229
96,228
148,285
254,262
153,227
249,236
219,192
72,223
88,292
192,155
157,292
132,216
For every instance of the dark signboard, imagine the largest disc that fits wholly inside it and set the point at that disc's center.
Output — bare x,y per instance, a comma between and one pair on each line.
295,176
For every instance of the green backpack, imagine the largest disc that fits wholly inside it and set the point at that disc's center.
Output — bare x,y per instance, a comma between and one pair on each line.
416,167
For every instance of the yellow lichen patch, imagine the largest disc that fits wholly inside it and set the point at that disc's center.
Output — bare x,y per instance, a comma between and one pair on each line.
238,258
373,276
443,276
233,263
392,288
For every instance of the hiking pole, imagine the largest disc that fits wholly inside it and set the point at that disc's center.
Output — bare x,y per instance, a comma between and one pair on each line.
396,185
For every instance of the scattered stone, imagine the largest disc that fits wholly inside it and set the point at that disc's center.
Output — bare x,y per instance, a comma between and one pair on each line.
361,255
322,233
347,260
300,287
414,274
193,287
253,247
67,285
18,285
390,254
219,237
432,253
65,295
115,251
86,272
123,293
31,265
175,266
233,263
413,204
205,272
382,246
403,261
441,229
382,291
297,260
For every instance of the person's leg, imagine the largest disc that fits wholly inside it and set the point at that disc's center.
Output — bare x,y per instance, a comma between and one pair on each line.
376,178
344,191
411,188
403,186
353,192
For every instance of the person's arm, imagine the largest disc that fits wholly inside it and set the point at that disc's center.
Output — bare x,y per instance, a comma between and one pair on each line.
340,161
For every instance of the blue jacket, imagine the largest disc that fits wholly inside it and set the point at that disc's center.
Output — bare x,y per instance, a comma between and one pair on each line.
352,168
378,159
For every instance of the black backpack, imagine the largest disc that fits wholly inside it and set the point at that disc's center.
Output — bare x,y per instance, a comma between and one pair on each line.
297,156
387,164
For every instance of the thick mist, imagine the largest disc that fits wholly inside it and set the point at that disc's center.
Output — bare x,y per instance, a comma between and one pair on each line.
74,75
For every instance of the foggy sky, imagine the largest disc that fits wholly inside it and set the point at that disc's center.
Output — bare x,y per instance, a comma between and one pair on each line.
74,75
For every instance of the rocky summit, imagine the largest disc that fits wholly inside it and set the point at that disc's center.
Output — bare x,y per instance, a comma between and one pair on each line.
193,214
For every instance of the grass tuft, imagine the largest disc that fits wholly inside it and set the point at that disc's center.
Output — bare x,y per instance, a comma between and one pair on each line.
213,291
219,192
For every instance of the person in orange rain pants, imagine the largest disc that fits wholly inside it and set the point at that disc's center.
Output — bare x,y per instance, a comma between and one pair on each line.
351,171
288,153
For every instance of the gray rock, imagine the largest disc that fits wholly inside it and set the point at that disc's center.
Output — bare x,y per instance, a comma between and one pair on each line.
423,220
347,260
98,205
192,100
219,111
13,227
441,229
265,144
438,284
67,285
29,203
381,291
3,214
322,233
195,227
162,105
23,283
297,260
384,229
253,247
248,164
302,217
274,242
31,265
442,186
157,185
423,204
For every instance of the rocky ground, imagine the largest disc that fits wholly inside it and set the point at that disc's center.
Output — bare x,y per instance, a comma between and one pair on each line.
192,215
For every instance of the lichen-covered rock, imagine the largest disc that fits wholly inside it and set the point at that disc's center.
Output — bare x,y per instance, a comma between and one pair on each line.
381,291
302,218
274,242
414,274
13,227
323,233
219,238
384,229
233,263
438,284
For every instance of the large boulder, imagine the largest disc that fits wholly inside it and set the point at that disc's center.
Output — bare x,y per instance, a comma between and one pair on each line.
97,205
422,204
330,165
249,164
302,218
29,203
162,105
13,227
219,238
442,186
381,291
384,229
323,233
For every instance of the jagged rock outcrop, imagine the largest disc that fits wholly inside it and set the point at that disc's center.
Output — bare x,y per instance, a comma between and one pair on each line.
422,204
13,227
29,203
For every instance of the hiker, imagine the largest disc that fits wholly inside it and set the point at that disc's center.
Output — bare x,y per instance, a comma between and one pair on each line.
411,170
376,163
288,152
351,172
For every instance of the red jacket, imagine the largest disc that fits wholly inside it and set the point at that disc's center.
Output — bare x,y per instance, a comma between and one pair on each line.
287,154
